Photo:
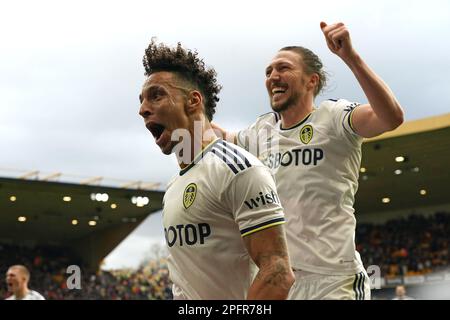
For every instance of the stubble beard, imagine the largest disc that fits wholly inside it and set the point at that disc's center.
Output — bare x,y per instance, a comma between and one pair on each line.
291,101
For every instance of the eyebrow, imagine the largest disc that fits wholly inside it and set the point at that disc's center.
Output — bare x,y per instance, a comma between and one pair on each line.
145,91
281,62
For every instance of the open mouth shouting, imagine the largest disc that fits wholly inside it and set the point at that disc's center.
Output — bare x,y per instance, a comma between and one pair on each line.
10,285
156,129
161,135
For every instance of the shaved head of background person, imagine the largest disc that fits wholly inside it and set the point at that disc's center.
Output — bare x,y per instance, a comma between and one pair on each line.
17,279
400,294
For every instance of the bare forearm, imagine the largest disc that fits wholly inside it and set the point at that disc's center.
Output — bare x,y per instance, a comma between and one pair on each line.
268,250
272,282
379,95
383,113
222,133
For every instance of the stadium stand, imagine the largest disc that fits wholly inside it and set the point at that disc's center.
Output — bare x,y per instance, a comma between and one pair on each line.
48,276
50,225
410,246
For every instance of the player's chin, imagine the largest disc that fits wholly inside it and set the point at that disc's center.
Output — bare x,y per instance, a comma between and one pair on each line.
167,149
278,107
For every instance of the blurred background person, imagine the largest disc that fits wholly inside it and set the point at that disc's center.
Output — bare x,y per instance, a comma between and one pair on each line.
17,278
400,294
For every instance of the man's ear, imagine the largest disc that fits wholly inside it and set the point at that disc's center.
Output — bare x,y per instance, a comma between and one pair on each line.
313,81
194,102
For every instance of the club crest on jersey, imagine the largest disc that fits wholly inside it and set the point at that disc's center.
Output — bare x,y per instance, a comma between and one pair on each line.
306,134
189,195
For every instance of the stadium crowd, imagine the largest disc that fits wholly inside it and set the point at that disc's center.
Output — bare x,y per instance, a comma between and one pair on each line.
48,276
415,245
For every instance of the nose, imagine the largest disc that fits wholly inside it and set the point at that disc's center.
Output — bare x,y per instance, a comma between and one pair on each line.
273,76
144,110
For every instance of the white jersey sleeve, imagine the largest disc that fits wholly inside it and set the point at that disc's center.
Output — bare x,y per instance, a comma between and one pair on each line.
342,112
254,200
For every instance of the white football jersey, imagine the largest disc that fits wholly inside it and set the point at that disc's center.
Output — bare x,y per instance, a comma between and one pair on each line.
31,295
316,167
224,195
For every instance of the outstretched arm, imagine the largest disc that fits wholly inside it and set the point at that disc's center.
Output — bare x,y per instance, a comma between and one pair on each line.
383,113
268,250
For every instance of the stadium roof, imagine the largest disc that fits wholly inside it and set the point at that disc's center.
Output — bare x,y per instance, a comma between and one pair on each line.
39,212
425,146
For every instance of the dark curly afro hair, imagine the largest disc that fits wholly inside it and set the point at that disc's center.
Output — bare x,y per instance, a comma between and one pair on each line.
188,66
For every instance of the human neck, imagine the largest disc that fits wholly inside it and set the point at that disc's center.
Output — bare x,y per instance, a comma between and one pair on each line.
201,135
21,293
296,113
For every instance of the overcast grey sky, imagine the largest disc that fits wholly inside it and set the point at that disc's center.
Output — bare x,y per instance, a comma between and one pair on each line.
71,72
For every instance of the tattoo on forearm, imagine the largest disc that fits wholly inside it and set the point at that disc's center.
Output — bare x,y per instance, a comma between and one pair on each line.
273,264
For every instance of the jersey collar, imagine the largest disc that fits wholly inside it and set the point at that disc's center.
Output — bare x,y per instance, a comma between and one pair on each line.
200,155
298,124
